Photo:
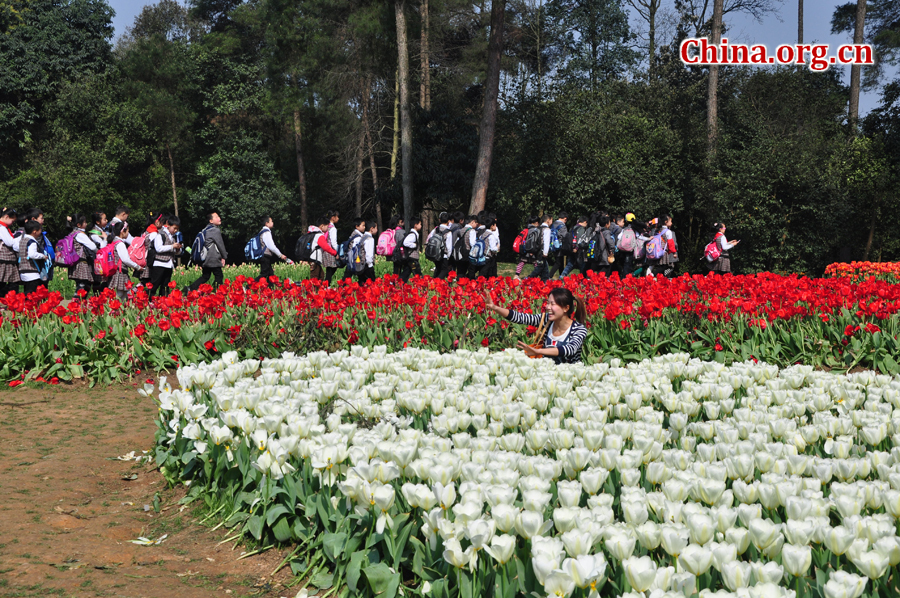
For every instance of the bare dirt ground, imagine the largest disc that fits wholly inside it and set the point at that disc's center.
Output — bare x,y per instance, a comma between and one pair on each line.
67,511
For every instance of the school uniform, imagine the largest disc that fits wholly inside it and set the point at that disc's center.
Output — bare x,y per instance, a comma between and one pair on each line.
322,250
541,267
82,272
368,248
31,262
569,343
149,236
668,260
723,264
329,260
120,280
164,264
9,269
215,253
399,236
127,240
350,269
473,236
559,261
99,238
265,262
493,248
609,249
411,262
442,268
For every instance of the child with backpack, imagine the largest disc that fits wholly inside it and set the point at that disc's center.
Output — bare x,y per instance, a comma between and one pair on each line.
329,260
165,249
392,249
210,241
122,213
606,252
33,262
626,244
542,252
351,254
482,256
314,247
269,250
560,244
121,279
439,246
462,245
409,251
662,251
9,259
141,250
367,245
82,272
721,263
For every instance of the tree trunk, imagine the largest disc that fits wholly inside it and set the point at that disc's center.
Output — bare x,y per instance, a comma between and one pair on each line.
871,238
371,147
593,41
538,29
405,122
425,83
301,171
855,70
359,170
172,173
395,147
489,113
799,21
712,111
652,7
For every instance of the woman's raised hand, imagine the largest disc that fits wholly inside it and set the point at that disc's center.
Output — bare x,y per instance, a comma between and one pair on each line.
489,304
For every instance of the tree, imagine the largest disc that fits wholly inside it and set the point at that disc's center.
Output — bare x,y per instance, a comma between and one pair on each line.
712,109
489,112
882,33
648,10
799,21
855,71
405,119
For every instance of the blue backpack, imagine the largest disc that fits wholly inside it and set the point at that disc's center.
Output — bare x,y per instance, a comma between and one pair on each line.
343,251
356,258
478,255
198,249
555,241
254,249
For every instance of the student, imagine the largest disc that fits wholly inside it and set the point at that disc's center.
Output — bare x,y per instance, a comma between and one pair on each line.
494,242
442,266
356,235
97,232
265,262
493,248
322,248
410,251
462,245
524,258
723,264
119,282
604,265
368,250
665,264
541,267
562,233
155,221
166,248
396,225
576,252
625,258
82,272
32,259
616,224
122,213
457,224
329,260
9,269
216,254
474,235
564,321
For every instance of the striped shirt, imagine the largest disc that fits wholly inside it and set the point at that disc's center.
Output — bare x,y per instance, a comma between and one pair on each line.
569,346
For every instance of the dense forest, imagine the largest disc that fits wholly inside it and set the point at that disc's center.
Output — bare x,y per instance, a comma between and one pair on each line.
294,107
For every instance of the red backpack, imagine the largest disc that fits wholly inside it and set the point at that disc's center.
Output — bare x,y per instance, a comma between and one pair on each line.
517,244
137,251
713,251
107,262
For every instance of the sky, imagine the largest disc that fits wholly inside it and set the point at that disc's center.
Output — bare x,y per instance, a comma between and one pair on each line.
774,30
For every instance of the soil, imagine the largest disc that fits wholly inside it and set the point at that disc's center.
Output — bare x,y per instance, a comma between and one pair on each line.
68,512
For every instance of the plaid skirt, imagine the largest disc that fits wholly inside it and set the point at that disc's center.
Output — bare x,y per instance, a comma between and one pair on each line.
668,259
119,280
328,260
9,273
723,264
82,271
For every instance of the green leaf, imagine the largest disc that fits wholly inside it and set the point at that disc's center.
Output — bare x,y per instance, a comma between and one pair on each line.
275,512
381,581
282,530
333,545
323,580
354,570
255,526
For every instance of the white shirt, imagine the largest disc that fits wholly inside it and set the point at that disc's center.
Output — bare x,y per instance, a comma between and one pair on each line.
82,238
99,240
473,235
122,252
725,244
412,240
7,238
546,230
448,239
493,242
160,248
34,254
368,242
332,237
266,238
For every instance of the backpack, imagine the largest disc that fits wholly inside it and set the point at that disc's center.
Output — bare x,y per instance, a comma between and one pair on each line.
386,243
461,246
555,241
533,244
65,251
434,246
596,245
255,249
107,263
656,246
306,246
198,249
713,251
478,255
137,251
520,240
44,268
628,240
344,250
400,252
356,259
581,237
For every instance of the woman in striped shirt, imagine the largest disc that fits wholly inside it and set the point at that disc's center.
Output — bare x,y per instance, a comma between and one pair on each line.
566,333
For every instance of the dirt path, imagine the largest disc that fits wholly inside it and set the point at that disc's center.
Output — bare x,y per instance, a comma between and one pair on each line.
68,513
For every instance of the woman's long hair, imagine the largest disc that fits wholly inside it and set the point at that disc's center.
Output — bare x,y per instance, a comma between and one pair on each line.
573,305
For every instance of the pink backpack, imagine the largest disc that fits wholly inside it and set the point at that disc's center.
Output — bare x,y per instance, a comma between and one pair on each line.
107,262
65,251
386,243
713,251
137,251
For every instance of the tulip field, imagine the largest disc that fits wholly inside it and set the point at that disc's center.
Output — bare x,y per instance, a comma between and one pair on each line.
473,473
835,323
